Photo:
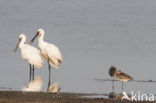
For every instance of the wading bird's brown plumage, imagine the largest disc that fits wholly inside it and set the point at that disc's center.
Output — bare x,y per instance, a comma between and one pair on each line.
112,74
112,71
123,77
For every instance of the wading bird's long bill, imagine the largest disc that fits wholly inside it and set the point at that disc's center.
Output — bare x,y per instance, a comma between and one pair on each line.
34,38
15,49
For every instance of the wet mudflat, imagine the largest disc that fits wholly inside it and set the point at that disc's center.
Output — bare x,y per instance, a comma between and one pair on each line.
43,97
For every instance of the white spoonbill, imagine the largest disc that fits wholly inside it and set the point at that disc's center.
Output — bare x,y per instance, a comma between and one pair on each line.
49,52
30,54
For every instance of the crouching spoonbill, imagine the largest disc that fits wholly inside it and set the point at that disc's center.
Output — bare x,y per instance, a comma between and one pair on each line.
49,52
30,54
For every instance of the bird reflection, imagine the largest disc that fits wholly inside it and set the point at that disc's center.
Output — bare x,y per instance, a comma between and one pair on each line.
54,88
34,85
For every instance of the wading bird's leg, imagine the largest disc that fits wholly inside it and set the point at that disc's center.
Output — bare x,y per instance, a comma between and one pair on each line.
122,86
33,72
30,73
49,76
113,84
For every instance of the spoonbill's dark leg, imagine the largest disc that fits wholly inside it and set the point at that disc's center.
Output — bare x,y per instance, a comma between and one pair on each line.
33,73
113,84
49,76
30,73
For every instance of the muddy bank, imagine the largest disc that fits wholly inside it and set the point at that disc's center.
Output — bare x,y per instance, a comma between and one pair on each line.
43,97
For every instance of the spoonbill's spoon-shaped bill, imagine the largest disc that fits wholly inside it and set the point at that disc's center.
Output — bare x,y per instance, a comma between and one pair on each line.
39,33
34,38
15,49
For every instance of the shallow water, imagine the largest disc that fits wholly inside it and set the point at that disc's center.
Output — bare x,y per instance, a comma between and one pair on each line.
91,34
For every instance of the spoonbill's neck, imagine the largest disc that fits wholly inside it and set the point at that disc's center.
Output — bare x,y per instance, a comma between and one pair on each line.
40,39
21,44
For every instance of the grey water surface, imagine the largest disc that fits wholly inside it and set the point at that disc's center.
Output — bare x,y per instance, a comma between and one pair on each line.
91,34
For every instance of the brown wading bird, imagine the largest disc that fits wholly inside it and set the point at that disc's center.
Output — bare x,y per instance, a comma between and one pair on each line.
122,77
112,74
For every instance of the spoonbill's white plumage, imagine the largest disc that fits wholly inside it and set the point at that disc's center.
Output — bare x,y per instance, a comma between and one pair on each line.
34,85
29,53
49,52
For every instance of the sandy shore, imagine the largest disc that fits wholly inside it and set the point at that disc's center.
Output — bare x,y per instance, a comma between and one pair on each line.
43,97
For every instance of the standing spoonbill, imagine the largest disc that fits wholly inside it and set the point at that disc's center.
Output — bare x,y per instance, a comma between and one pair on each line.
49,52
112,70
30,54
123,77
